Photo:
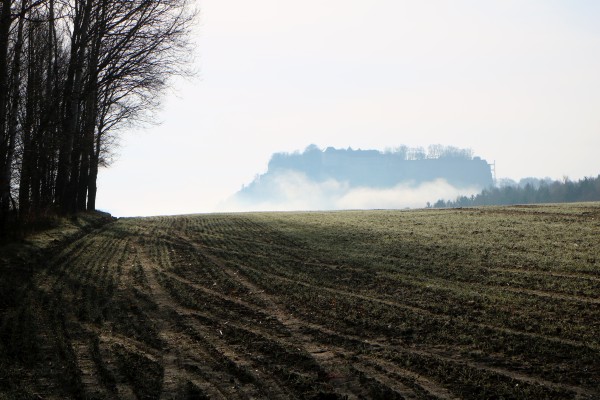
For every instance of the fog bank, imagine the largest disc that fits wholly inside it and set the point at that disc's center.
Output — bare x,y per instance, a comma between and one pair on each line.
288,190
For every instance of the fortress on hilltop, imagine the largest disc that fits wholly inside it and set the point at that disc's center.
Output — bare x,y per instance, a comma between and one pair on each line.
377,169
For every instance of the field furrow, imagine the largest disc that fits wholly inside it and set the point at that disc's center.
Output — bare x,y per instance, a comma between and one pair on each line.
499,302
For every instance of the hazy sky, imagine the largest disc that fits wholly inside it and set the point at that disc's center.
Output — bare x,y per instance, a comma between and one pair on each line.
516,81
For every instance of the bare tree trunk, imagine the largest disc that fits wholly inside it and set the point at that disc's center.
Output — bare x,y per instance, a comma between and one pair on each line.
47,144
69,156
92,185
28,153
84,170
5,143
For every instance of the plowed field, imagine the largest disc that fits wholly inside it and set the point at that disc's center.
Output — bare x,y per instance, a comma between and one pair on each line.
433,304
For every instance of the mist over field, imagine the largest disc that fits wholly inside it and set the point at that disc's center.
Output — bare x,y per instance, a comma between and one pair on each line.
293,190
341,179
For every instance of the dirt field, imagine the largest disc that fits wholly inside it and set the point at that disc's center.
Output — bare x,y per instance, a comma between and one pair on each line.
437,304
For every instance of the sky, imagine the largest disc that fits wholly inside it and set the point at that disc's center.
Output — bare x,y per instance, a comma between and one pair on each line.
517,81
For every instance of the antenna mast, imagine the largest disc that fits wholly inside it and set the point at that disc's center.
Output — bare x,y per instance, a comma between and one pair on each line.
493,171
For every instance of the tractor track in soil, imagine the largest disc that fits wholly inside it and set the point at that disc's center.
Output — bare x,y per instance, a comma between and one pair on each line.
327,358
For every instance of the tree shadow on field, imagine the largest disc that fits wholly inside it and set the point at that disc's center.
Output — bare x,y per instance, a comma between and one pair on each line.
36,352
28,315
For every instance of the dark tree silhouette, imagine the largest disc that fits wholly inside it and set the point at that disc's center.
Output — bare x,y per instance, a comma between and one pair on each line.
72,74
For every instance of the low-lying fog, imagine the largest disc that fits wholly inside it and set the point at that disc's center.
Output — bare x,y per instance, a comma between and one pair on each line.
293,191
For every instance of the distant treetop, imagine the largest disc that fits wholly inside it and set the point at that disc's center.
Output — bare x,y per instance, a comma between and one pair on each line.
433,152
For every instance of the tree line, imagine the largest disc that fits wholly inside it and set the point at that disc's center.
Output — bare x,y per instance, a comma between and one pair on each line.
72,74
542,191
433,152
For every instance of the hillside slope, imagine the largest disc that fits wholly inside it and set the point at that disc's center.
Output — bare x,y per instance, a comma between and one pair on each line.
463,303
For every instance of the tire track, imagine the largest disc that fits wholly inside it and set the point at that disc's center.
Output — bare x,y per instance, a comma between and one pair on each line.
174,376
418,309
175,372
329,360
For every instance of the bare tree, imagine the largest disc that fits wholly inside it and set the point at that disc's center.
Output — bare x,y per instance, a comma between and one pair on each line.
6,147
73,73
142,43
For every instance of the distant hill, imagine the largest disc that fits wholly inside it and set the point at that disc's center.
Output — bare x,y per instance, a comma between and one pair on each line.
406,166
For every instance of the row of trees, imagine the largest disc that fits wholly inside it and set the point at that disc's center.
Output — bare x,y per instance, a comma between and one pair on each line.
72,73
434,151
587,189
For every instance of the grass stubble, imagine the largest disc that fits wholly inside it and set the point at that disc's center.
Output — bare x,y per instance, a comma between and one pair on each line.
495,302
